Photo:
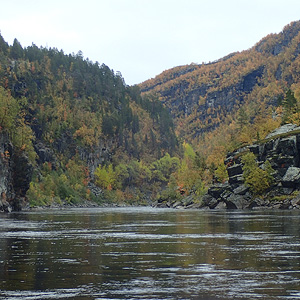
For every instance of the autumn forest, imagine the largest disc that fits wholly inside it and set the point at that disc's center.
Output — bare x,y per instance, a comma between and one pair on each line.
87,137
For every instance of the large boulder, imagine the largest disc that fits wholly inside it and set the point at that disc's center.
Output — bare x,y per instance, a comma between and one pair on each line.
218,189
237,202
241,189
291,178
234,170
295,203
221,205
235,181
209,201
287,146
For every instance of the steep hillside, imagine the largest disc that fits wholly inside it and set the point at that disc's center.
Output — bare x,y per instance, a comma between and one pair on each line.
211,103
69,117
71,129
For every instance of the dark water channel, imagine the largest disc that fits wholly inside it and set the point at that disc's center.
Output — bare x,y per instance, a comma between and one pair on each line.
145,253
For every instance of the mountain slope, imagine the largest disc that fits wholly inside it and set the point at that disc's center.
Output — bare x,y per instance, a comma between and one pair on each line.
68,116
203,98
71,129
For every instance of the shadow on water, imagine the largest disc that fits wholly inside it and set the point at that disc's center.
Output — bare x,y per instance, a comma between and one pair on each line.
146,253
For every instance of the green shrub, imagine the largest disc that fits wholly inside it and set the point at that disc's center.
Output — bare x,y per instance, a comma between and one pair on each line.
68,185
256,178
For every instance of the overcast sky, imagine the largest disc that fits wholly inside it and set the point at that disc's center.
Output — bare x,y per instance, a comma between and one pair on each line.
142,38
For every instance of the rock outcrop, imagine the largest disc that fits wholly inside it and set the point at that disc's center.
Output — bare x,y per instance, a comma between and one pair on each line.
6,186
15,176
282,149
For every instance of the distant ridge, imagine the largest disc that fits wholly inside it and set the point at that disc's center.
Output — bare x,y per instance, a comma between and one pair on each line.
203,97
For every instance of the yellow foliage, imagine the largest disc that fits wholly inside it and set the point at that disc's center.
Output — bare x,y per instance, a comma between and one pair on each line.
86,135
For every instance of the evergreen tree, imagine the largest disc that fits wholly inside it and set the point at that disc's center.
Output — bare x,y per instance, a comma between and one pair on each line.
135,124
16,51
3,45
107,125
290,107
243,118
255,177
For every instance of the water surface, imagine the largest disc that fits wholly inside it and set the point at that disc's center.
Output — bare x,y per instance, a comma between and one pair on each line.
146,253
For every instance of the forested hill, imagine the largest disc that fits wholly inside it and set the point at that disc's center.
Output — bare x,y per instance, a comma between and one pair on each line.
68,118
221,104
71,129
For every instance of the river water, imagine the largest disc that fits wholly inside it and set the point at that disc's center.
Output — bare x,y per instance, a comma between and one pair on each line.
147,253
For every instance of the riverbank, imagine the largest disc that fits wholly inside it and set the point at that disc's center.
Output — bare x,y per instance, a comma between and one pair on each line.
265,174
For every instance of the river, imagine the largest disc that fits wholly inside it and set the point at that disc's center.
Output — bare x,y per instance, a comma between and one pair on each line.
147,253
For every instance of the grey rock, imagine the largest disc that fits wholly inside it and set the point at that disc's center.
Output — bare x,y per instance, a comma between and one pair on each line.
209,201
282,150
235,170
225,194
283,129
229,160
268,147
283,163
45,154
15,175
187,201
237,202
277,205
295,201
196,205
287,191
217,189
287,146
259,202
254,149
177,204
291,177
221,205
97,191
241,189
236,180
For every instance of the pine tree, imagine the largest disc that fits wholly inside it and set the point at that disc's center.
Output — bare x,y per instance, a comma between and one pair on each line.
16,51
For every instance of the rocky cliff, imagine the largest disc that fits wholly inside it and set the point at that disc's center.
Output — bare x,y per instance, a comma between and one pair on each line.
282,149
15,176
